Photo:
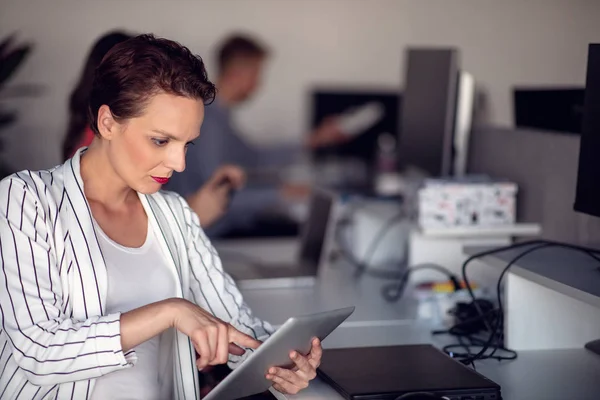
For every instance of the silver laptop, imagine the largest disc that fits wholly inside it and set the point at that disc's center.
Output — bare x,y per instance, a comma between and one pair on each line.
302,272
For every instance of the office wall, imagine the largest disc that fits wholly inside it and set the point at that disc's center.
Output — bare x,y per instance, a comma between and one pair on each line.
544,165
331,42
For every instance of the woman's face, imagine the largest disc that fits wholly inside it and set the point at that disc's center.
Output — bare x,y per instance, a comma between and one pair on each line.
146,150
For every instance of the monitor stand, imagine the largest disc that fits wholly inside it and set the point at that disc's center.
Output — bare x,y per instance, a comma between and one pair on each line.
593,346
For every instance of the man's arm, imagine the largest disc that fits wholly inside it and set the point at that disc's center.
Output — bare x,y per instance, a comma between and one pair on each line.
279,155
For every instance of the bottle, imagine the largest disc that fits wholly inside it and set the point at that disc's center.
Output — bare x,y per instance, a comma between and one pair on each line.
387,179
386,153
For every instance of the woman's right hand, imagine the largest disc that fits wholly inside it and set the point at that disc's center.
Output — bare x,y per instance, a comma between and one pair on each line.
213,339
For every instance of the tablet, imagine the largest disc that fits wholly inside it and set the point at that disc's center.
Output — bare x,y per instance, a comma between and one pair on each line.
295,334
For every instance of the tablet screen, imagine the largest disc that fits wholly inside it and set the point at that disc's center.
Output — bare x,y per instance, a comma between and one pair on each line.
296,334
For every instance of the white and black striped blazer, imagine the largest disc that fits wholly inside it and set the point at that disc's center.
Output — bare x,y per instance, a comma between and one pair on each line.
55,337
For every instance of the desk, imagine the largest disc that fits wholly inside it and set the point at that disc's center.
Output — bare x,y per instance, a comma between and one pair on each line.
561,288
566,271
535,375
335,288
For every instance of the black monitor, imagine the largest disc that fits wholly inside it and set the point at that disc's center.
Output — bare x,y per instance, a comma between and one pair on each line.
587,198
428,110
335,101
558,109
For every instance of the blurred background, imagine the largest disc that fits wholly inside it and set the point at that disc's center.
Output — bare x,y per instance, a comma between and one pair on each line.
314,43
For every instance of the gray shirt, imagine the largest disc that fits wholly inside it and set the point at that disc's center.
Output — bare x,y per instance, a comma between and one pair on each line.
220,143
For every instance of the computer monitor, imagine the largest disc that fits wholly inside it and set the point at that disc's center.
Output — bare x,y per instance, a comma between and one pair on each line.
428,110
336,101
557,109
587,197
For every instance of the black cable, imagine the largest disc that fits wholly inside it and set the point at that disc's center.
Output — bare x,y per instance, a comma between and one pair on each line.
393,292
494,332
455,329
512,247
500,316
492,319
483,254
375,242
467,357
589,252
356,264
467,348
364,267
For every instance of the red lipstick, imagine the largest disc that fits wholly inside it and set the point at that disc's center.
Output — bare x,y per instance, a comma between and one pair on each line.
162,181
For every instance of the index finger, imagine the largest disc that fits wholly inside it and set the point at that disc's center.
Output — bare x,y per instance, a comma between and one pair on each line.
242,339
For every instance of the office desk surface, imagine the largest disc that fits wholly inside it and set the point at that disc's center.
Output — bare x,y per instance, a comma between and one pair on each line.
535,375
336,288
567,271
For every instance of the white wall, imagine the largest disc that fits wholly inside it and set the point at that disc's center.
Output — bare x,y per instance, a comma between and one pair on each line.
333,42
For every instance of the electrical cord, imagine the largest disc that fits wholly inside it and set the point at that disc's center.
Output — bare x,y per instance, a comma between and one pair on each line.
465,346
375,242
344,222
483,254
496,250
493,320
498,320
464,326
393,292
468,357
364,267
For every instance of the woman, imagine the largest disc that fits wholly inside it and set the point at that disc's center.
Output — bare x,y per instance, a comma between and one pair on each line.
209,202
79,133
98,265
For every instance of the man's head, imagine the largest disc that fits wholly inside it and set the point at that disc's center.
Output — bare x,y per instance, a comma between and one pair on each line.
240,61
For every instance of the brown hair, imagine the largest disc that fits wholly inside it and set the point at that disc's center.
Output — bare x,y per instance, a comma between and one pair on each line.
239,46
79,99
141,67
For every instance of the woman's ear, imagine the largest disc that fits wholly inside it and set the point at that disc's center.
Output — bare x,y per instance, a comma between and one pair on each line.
107,125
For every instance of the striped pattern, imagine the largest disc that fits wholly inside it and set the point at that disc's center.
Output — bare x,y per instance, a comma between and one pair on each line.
55,338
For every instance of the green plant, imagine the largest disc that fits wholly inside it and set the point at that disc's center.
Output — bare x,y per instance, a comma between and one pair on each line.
12,56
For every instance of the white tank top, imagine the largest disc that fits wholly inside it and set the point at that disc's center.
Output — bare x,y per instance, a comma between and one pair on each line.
136,277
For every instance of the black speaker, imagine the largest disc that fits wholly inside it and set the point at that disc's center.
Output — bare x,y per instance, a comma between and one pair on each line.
587,198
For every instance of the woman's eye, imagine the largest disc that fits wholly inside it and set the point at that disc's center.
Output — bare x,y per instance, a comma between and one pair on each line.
160,142
188,144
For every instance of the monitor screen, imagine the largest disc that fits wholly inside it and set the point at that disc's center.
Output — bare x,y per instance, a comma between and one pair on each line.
336,101
549,108
428,109
587,197
315,230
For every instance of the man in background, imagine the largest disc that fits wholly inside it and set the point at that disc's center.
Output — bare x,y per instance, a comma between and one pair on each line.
241,60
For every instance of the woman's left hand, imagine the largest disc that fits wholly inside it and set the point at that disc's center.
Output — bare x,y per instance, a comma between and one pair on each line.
293,380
